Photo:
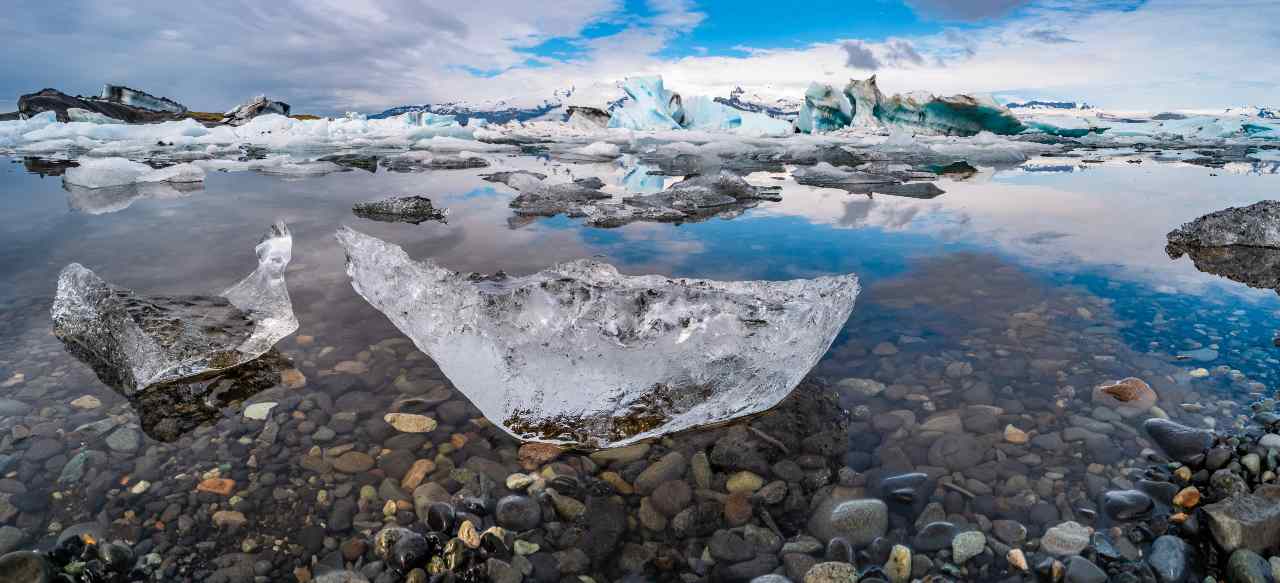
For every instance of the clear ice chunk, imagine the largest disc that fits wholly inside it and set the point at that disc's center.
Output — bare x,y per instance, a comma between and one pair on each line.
581,354
136,342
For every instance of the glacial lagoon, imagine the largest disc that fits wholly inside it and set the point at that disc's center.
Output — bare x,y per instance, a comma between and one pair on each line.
991,310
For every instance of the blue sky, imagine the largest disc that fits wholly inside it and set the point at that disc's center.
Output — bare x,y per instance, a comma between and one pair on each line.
329,56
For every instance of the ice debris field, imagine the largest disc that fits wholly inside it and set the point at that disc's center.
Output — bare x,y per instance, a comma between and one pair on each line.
650,117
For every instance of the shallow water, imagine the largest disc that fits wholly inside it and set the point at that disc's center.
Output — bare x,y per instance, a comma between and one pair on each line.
1003,301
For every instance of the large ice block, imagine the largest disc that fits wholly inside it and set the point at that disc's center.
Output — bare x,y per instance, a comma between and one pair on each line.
136,342
579,353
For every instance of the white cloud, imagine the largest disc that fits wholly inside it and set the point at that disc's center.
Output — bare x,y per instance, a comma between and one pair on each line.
332,55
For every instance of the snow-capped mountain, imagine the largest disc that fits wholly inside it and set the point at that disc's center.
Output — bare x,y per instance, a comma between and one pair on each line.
553,108
782,108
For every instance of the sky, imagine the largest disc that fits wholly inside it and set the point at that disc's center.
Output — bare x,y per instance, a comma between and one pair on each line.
330,56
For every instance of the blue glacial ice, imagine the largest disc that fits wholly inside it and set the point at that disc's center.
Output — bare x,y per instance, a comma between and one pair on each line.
653,107
862,105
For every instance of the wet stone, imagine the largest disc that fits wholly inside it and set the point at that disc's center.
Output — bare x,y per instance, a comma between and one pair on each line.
831,572
1170,559
1127,504
1179,441
671,497
669,467
1245,566
1068,538
353,462
1081,570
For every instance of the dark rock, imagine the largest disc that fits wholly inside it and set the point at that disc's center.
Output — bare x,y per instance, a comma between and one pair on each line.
727,546
1246,566
935,536
518,513
669,467
1170,559
1127,504
1249,521
958,452
748,570
25,567
1081,570
1178,441
671,497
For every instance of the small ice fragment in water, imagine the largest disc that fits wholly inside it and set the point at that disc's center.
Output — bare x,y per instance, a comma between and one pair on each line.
106,172
400,209
579,353
134,342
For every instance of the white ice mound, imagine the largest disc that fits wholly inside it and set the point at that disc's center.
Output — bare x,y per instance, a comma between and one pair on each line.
107,172
135,342
579,353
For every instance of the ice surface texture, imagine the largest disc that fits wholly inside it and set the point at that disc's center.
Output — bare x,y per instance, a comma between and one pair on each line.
135,342
578,353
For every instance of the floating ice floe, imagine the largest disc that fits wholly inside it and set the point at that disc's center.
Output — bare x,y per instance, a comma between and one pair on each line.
579,353
695,198
135,343
106,172
400,209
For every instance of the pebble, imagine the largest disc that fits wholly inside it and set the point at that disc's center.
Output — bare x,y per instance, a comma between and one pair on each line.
967,545
1014,435
259,411
860,521
219,486
353,462
1169,558
86,402
410,423
518,513
669,467
898,567
832,572
124,440
744,482
229,519
1068,538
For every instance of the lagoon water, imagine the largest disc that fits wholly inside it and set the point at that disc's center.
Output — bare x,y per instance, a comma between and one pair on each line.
1002,302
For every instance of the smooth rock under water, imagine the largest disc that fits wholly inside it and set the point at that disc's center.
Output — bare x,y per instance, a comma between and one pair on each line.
1178,441
579,353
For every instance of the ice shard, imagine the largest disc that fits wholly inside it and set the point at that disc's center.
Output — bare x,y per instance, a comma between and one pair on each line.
581,354
135,342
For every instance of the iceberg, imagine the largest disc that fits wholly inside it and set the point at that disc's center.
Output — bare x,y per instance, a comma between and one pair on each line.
107,172
652,107
581,354
135,343
259,105
862,105
825,109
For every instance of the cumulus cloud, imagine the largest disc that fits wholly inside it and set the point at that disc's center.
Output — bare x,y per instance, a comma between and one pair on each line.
859,56
964,10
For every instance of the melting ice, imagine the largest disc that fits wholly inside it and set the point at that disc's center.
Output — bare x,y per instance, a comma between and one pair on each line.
135,342
579,353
